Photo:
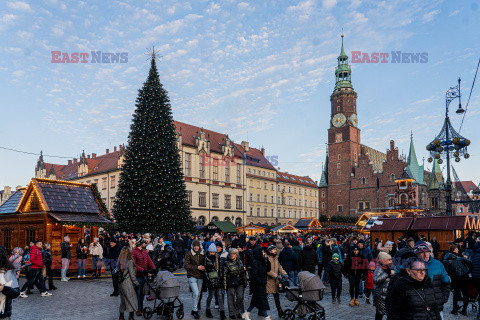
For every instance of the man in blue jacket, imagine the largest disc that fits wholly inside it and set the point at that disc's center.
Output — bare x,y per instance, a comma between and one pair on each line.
437,273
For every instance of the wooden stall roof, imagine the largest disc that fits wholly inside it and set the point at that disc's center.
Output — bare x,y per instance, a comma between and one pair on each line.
474,223
10,206
285,229
224,226
308,224
442,223
250,226
392,224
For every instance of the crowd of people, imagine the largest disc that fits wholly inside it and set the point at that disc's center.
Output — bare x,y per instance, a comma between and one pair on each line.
409,279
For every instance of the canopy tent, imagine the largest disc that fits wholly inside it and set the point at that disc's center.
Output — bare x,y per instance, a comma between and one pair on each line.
220,227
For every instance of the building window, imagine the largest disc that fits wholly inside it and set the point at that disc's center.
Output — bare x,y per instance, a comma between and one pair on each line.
289,213
104,200
95,182
364,180
202,199
323,194
31,236
323,205
248,170
339,157
339,208
215,200
251,196
201,221
112,200
392,177
338,165
290,201
316,194
190,198
254,171
273,187
202,166
338,173
338,137
214,218
258,197
300,191
239,202
295,190
391,202
264,173
215,169
265,186
265,198
311,204
434,202
295,202
112,182
295,214
238,222
228,201
227,172
340,193
284,213
7,238
188,165
239,174
258,212
289,189
272,199
278,200
251,211
265,212
310,192
104,183
363,205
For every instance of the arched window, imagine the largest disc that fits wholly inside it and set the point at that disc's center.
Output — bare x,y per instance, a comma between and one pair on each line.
226,219
201,221
238,222
214,218
392,177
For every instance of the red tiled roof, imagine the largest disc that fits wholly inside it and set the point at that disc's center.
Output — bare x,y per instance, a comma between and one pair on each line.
469,186
290,178
441,223
392,224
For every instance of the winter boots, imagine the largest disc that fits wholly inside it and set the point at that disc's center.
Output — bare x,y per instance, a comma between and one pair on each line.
246,316
208,314
357,303
352,302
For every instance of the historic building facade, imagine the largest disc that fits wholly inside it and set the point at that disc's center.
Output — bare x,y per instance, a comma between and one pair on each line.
357,178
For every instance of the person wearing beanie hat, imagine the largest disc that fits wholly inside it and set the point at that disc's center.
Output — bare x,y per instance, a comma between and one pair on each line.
142,263
333,275
213,273
354,274
194,263
221,251
384,256
273,277
369,281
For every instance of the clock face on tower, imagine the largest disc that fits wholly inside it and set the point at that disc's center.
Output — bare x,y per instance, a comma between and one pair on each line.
338,120
354,120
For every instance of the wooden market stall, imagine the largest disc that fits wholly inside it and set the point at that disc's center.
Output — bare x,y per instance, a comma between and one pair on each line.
285,229
445,229
367,219
308,225
48,210
251,229
220,227
390,229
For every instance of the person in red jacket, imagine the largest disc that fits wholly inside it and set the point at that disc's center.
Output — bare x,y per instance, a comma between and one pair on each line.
143,263
35,275
369,281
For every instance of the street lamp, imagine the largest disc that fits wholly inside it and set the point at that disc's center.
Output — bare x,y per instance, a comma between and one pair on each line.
449,142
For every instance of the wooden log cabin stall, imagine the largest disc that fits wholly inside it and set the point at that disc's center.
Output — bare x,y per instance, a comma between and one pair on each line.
445,229
48,210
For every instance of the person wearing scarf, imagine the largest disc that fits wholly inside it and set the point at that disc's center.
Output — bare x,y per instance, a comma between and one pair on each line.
8,285
381,280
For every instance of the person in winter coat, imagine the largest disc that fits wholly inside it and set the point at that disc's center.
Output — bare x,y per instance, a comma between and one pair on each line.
111,258
369,281
168,259
308,259
234,282
144,266
8,285
436,272
96,250
333,275
194,263
354,270
180,248
289,262
273,276
258,283
435,247
214,273
82,254
127,288
66,257
381,280
35,275
47,263
16,259
413,295
458,269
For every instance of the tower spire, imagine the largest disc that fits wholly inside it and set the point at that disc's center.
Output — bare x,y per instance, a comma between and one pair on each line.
343,73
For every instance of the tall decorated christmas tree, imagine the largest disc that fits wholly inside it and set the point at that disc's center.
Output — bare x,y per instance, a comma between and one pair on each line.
151,193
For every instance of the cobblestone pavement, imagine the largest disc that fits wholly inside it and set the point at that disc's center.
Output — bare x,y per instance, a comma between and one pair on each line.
89,299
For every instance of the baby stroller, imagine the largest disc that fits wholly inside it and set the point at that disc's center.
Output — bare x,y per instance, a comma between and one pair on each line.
306,294
473,295
165,289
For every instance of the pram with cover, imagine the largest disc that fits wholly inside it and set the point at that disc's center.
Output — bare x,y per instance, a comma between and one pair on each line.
306,294
164,289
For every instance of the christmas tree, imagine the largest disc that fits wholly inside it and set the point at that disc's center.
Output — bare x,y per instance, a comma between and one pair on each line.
151,193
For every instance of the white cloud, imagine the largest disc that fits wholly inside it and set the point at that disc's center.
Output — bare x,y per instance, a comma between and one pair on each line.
329,4
244,6
18,73
430,16
454,13
19,5
304,9
213,8
7,18
192,43
57,31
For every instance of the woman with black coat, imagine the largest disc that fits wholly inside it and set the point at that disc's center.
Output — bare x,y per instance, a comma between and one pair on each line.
258,284
8,285
47,263
82,255
413,295
354,270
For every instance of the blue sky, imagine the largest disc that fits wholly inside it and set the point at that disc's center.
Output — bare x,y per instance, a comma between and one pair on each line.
262,70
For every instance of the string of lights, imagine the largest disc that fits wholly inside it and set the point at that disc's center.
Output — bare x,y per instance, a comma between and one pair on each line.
471,89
